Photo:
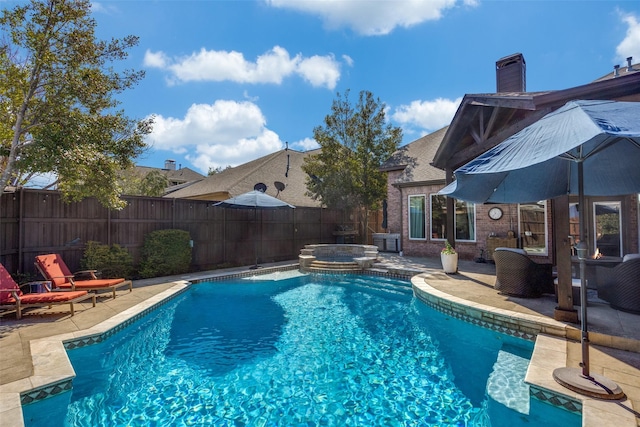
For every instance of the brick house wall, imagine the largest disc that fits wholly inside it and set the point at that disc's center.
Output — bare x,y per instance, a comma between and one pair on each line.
394,203
398,208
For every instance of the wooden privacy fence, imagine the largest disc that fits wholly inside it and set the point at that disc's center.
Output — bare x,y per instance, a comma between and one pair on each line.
34,222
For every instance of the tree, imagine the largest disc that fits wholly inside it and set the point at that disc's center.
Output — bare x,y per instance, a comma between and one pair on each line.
134,183
217,170
354,143
57,107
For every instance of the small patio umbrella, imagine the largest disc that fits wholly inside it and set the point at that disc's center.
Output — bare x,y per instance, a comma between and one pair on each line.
584,148
255,200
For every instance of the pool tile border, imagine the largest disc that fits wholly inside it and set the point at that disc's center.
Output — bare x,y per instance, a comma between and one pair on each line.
113,329
555,399
50,355
520,325
52,349
244,274
547,334
41,386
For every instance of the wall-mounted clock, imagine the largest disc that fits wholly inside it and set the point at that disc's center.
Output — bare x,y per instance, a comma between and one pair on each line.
495,213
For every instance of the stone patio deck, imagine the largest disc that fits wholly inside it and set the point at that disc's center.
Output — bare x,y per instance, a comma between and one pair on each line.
471,290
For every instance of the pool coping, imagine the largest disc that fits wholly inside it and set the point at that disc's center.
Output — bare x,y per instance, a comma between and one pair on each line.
550,351
50,354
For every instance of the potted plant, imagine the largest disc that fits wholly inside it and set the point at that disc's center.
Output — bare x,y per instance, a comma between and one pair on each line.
449,258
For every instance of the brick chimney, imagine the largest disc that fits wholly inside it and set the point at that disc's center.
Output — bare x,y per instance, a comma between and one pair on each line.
511,74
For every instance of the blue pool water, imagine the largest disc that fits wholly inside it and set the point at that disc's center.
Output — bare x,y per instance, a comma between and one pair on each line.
302,351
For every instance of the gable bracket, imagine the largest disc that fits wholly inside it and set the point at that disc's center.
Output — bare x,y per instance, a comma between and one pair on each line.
473,151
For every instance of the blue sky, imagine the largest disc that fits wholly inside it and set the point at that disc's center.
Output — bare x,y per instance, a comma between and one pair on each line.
231,81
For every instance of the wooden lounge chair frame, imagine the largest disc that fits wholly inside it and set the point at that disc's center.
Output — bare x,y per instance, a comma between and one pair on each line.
45,299
62,278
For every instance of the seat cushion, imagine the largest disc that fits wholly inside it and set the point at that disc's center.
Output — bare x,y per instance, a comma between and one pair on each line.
92,284
54,268
51,297
7,284
516,250
628,257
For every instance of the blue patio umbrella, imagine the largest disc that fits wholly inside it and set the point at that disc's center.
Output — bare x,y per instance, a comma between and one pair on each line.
542,161
255,200
584,148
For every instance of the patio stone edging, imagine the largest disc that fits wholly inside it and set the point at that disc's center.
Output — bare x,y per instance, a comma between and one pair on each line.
520,325
50,355
533,328
53,350
39,386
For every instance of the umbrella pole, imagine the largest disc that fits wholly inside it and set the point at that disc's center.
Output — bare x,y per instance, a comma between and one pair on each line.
255,242
580,380
584,341
583,280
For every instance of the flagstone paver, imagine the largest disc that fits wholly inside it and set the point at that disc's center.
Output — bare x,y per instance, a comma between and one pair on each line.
470,290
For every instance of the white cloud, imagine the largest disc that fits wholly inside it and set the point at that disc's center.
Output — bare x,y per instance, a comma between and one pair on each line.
216,135
372,17
347,60
250,98
241,151
320,71
155,59
270,67
305,144
630,45
99,7
427,115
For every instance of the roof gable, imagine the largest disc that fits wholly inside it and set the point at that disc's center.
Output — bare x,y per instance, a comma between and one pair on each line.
177,176
482,121
414,160
284,166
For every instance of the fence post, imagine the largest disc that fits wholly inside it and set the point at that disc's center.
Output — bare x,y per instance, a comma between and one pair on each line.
21,230
109,227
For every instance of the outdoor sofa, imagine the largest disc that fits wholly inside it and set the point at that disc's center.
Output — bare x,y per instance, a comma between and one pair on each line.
517,275
620,285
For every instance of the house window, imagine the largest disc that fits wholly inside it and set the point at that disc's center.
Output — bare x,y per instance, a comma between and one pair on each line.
533,227
605,225
417,219
606,230
465,219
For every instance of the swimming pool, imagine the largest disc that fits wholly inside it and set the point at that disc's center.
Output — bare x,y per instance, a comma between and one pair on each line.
340,350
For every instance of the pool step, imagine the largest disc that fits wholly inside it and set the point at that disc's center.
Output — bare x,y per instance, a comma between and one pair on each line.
506,382
319,265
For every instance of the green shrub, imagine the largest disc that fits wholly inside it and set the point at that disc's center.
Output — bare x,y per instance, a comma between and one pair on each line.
165,253
22,278
110,261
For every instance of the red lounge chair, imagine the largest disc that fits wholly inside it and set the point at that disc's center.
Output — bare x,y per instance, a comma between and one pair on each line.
11,297
54,269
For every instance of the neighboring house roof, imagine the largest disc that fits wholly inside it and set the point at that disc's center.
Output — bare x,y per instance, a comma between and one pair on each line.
283,166
414,161
484,120
175,176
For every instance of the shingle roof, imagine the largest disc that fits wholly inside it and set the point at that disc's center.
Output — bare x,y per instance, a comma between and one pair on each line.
484,120
414,160
267,170
178,176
